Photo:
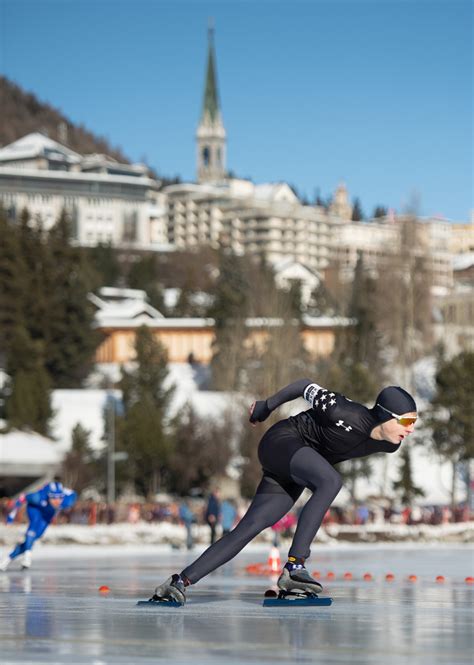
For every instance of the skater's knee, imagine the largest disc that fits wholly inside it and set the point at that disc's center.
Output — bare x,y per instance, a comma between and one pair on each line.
333,483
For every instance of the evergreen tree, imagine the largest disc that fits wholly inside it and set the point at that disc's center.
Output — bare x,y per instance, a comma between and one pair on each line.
141,431
357,213
451,415
104,262
229,311
34,256
364,339
69,334
78,468
206,442
380,211
143,274
318,199
13,286
28,403
405,484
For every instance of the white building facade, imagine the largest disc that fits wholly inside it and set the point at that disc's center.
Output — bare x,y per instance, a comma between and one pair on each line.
267,220
380,238
107,202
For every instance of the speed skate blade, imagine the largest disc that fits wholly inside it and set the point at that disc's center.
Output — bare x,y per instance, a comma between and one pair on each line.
297,602
159,603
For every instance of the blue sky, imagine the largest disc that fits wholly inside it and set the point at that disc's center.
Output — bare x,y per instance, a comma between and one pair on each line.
375,93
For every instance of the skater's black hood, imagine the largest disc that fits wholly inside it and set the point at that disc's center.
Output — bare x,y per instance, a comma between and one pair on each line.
394,399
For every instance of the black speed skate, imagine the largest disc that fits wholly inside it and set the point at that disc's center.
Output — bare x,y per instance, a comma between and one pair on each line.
296,587
172,593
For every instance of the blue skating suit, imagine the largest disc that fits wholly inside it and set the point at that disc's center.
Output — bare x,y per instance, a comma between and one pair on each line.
40,512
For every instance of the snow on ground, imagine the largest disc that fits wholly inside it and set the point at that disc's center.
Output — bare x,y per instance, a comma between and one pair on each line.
174,535
86,407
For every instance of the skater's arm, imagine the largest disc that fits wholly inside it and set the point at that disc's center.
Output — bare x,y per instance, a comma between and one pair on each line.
69,499
261,409
36,499
15,508
332,406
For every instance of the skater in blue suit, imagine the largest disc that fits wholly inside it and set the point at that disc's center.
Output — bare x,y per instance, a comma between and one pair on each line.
41,507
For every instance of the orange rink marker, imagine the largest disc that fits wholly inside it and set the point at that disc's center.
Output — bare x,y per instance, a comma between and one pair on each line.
368,577
347,576
104,589
389,577
440,579
412,578
331,576
469,580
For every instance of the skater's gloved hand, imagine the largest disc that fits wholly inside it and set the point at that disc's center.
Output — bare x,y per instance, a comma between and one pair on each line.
259,411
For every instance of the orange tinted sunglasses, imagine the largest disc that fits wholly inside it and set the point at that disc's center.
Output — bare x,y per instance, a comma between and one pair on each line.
401,420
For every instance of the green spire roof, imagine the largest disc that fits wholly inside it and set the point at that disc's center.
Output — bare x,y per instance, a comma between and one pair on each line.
210,107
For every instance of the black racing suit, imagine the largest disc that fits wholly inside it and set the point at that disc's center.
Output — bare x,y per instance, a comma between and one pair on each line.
296,453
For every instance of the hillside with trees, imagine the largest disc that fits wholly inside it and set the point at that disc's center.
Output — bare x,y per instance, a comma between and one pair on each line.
23,113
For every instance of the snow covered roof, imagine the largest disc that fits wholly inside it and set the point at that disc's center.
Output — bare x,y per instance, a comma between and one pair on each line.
104,321
192,188
463,261
33,453
84,407
37,145
275,191
76,176
291,269
327,321
123,305
96,160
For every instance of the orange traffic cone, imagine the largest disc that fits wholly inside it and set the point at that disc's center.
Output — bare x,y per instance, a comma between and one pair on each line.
274,561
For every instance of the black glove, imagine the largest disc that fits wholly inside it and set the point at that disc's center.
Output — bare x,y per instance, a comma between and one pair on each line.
260,412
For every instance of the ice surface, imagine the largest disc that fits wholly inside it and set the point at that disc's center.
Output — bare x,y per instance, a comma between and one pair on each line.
55,614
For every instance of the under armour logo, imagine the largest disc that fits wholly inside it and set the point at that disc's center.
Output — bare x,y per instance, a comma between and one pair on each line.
340,423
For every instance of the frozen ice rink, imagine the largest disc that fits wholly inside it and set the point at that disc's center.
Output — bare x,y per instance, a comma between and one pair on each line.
55,614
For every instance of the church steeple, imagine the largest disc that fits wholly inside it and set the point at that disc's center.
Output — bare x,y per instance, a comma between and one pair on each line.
211,135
